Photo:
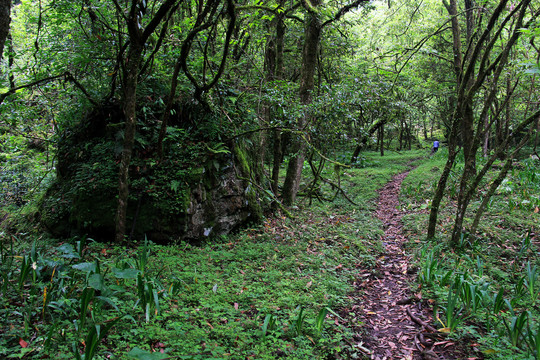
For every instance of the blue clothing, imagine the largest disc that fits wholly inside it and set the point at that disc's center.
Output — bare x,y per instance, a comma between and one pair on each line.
436,144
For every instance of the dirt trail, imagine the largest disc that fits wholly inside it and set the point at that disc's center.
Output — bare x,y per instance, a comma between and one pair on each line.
386,304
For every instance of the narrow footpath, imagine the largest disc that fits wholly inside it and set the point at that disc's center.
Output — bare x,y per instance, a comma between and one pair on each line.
395,320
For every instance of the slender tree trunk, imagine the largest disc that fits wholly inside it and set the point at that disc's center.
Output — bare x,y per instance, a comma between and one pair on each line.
400,135
441,185
278,74
5,19
381,140
309,64
486,136
278,159
130,114
452,136
493,187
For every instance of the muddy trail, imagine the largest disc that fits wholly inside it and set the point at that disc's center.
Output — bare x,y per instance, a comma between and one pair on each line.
395,321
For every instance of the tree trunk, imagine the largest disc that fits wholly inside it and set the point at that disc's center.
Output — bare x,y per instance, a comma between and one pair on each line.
485,147
493,187
309,63
130,114
381,140
5,19
441,185
131,65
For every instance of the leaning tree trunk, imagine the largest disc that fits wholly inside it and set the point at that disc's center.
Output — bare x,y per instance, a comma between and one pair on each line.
452,141
441,185
309,63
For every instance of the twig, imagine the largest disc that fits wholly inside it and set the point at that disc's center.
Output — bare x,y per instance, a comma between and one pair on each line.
340,190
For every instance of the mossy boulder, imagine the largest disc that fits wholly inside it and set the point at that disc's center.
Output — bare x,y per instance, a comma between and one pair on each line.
197,189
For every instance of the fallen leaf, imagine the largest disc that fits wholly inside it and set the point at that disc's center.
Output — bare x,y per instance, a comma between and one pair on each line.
23,343
236,306
490,351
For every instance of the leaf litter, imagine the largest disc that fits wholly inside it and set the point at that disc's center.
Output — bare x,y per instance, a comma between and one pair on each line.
392,321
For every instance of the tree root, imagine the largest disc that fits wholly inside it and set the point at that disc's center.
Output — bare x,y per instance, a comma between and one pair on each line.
420,322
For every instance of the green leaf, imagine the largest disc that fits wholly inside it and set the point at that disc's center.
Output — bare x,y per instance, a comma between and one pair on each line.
86,267
145,355
69,251
125,274
95,281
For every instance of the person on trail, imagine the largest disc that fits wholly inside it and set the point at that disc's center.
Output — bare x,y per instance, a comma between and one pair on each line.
435,146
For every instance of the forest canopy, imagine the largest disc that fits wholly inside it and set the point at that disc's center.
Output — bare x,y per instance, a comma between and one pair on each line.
293,80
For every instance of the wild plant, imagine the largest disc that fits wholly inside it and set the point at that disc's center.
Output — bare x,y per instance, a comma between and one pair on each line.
95,334
319,321
533,340
143,255
26,266
299,322
321,316
452,311
498,302
532,281
525,246
87,296
479,267
515,329
471,296
446,279
519,289
269,324
429,267
148,296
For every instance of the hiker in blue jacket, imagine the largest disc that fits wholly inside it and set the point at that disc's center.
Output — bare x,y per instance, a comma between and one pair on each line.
435,147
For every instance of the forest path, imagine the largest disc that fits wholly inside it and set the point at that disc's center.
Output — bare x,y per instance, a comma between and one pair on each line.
386,304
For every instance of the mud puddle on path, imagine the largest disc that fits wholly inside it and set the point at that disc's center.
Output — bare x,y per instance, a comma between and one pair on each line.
385,304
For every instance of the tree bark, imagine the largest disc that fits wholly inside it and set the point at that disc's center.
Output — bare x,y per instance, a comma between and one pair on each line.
130,114
309,64
441,184
381,140
131,65
5,19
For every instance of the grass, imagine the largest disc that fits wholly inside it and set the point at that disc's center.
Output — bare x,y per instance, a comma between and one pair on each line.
271,290
490,280
275,289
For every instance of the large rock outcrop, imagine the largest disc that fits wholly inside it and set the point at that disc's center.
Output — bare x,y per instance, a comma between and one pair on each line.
195,191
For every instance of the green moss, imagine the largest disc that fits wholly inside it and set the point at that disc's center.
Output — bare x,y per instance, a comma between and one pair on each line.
254,202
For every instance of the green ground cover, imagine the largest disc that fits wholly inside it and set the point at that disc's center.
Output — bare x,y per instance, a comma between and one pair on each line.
270,291
275,289
487,289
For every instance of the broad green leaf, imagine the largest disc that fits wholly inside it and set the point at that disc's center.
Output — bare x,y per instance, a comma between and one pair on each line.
86,267
145,355
125,274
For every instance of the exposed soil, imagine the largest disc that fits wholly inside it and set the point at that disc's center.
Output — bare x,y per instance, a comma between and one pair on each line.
394,320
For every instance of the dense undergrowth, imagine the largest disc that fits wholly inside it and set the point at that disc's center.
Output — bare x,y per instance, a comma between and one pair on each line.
276,289
487,289
270,291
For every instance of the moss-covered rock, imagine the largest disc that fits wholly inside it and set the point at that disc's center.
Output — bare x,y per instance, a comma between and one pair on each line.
199,188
